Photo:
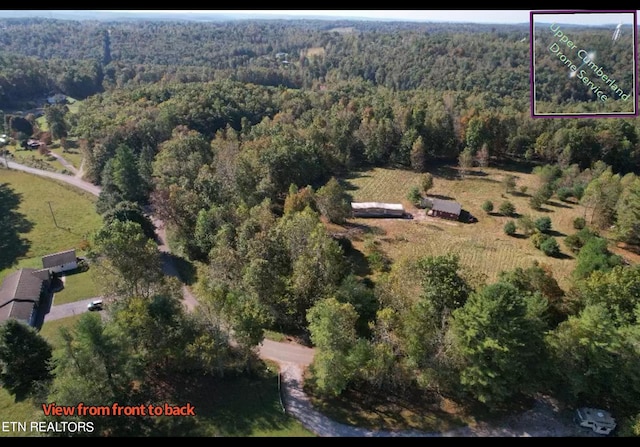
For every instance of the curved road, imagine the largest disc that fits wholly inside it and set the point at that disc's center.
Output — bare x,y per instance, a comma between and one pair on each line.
292,358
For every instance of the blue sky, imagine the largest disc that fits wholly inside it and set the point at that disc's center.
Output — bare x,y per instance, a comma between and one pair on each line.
471,16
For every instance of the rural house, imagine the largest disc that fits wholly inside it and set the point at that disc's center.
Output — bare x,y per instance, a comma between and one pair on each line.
20,294
377,209
446,209
60,262
33,144
58,98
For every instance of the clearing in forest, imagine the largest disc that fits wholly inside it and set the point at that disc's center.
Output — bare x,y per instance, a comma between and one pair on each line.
483,247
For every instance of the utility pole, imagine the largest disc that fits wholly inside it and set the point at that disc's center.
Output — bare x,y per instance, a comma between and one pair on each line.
52,215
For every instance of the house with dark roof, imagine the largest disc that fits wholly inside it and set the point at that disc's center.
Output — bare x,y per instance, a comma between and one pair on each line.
21,292
61,261
446,209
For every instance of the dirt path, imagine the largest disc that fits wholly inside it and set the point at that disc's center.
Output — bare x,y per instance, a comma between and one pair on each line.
68,166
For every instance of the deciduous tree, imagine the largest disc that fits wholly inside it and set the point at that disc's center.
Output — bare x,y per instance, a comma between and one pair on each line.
25,359
498,336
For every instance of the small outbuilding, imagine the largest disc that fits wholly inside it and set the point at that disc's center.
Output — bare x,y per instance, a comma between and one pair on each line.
60,262
445,209
377,209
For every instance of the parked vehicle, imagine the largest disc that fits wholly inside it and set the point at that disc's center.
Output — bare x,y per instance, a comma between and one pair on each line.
600,421
95,305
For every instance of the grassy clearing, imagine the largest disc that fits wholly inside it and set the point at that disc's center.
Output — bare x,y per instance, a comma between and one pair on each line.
73,156
315,52
482,247
51,329
245,407
77,286
74,213
12,411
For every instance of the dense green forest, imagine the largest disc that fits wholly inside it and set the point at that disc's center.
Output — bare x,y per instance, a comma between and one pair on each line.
236,134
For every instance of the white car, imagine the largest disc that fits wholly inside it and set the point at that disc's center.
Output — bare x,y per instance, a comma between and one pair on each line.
600,421
95,305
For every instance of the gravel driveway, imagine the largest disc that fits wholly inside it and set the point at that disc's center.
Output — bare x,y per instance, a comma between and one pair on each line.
544,420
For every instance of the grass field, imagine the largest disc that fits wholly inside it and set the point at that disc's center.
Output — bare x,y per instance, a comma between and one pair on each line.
77,286
483,247
34,232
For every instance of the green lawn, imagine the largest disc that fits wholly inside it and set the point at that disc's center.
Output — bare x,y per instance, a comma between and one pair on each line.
73,156
12,411
77,286
50,329
49,216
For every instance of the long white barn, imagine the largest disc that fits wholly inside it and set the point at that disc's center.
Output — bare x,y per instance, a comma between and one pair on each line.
377,209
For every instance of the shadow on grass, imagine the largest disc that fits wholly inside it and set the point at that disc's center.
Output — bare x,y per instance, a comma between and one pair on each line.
519,236
521,166
359,262
12,223
488,180
635,249
347,184
446,172
477,174
240,405
558,204
440,196
361,228
562,256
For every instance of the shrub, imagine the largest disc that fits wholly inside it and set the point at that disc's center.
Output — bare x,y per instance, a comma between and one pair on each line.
377,259
526,225
507,209
579,223
536,201
564,193
578,191
487,206
575,242
510,228
414,196
550,247
543,224
509,182
537,239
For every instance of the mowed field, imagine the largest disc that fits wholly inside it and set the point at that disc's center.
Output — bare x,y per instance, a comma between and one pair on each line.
36,202
482,247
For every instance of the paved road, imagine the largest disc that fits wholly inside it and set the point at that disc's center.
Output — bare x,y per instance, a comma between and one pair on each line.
78,182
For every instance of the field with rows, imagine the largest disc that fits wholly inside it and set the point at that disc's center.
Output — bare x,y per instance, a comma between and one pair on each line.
483,247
